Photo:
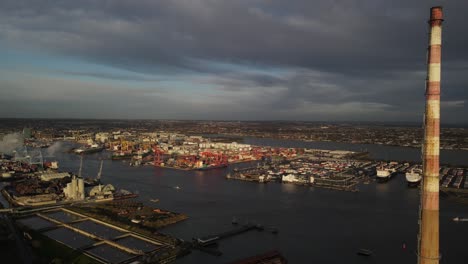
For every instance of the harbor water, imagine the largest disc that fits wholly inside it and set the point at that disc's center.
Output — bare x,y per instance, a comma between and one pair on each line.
315,225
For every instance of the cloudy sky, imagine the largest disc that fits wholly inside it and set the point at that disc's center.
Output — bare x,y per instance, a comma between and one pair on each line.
327,60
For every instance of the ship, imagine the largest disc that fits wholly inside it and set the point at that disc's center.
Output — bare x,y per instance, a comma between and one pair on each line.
383,175
89,149
460,219
413,177
209,167
124,194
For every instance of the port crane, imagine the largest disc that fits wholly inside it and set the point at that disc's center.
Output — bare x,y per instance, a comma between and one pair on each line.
157,156
187,160
214,158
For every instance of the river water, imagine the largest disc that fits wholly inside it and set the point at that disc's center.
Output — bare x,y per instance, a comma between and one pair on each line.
455,157
315,225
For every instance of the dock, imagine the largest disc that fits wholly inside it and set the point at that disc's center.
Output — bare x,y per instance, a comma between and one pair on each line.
205,244
208,240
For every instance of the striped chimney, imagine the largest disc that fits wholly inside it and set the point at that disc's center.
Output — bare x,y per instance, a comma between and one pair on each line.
429,236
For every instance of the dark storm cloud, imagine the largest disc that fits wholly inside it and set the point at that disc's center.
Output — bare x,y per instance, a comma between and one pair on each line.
349,54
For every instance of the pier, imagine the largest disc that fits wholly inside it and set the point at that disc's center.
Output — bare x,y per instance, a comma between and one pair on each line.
208,240
205,244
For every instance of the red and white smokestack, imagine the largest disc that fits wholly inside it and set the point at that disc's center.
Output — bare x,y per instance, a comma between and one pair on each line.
429,240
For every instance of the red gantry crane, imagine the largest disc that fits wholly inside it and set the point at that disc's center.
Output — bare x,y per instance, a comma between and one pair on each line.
157,156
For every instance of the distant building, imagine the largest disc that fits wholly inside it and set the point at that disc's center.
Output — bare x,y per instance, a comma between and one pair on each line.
101,191
101,137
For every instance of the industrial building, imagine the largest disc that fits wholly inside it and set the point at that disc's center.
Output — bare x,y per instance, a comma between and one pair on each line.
48,176
75,189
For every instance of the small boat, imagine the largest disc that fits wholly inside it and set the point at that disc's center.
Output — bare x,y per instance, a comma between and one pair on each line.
136,221
154,200
459,219
177,187
364,252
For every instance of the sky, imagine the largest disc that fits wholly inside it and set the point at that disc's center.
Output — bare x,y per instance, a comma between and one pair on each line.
324,60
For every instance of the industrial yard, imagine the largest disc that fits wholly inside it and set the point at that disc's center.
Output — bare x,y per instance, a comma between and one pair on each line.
98,241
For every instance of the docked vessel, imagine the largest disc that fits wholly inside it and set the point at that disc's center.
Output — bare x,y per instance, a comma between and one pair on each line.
209,167
413,177
383,175
125,196
89,149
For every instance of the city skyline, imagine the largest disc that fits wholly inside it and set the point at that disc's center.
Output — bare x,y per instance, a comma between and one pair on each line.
243,60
